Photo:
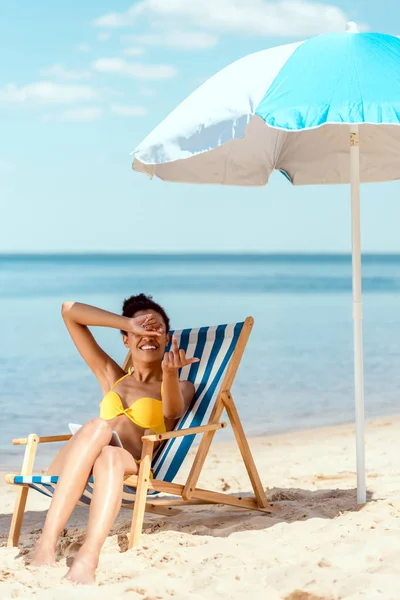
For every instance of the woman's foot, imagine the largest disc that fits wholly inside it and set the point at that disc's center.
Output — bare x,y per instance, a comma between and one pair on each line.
44,555
83,568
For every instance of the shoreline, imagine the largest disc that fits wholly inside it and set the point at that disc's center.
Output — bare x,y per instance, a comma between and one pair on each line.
394,417
4,468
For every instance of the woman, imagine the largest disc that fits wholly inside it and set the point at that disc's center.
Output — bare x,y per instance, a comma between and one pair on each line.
148,397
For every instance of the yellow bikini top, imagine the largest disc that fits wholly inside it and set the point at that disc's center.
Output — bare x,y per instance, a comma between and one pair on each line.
144,412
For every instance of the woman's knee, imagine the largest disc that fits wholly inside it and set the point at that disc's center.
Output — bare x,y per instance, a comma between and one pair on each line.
109,458
96,428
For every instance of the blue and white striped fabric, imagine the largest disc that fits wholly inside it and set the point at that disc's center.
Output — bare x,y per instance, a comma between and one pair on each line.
214,347
284,109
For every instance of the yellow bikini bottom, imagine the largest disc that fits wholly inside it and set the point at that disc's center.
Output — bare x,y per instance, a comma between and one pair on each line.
138,461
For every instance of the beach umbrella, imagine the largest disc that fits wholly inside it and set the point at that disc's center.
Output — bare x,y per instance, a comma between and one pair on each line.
322,111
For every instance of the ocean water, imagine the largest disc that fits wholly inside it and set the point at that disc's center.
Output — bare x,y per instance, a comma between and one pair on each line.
297,371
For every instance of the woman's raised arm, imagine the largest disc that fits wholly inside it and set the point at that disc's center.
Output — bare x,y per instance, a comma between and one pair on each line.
78,318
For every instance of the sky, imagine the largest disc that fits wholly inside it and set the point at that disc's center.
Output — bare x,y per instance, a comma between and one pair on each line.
82,83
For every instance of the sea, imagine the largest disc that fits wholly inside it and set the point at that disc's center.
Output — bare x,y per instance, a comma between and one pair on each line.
296,373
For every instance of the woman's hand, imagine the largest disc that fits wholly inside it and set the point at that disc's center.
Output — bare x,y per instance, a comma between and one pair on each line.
176,359
145,325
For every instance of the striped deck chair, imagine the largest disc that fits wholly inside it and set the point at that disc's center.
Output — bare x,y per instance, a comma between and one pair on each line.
220,350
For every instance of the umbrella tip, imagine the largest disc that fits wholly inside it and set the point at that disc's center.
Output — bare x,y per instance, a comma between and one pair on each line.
352,27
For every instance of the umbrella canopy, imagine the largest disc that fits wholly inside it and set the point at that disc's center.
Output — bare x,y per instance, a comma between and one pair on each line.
305,109
266,112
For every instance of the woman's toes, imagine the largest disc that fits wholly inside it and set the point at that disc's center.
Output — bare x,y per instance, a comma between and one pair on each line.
83,569
43,557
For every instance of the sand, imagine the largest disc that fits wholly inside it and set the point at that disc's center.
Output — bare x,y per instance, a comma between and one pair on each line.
321,546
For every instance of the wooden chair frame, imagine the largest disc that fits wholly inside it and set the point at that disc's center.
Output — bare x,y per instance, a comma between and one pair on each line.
187,494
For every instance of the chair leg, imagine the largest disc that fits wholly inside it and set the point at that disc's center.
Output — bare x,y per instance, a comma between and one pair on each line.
22,492
17,518
141,494
245,450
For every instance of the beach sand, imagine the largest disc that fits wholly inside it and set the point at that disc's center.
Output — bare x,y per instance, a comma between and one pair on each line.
320,546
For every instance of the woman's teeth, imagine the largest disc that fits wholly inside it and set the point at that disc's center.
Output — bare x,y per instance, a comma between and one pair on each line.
148,348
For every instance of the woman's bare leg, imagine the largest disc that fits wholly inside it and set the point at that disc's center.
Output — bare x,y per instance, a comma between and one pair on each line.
76,465
108,472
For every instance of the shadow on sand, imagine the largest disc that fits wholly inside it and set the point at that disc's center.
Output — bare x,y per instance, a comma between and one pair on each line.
209,520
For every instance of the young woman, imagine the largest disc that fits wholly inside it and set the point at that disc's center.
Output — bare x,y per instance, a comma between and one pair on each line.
148,397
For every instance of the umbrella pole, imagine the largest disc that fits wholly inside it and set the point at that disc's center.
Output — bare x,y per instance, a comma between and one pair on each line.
357,311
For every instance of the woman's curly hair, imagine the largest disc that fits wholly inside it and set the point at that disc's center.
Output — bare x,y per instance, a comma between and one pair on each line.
140,302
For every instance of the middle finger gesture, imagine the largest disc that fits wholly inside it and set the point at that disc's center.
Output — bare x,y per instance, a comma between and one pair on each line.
176,359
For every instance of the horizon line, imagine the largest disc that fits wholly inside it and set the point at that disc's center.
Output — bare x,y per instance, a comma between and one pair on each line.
184,253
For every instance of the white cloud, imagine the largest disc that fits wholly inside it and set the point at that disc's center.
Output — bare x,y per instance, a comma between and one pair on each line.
128,111
85,113
278,18
61,72
46,92
114,20
120,66
84,48
179,40
103,36
134,51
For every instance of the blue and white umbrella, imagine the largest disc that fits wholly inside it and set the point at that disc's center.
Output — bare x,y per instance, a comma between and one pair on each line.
305,109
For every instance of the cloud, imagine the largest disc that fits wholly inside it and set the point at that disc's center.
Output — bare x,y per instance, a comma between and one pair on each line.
46,92
128,111
178,40
103,36
278,18
61,72
120,66
115,19
134,51
84,113
84,47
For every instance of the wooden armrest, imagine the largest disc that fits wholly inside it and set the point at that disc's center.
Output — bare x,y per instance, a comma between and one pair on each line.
44,440
157,437
9,478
